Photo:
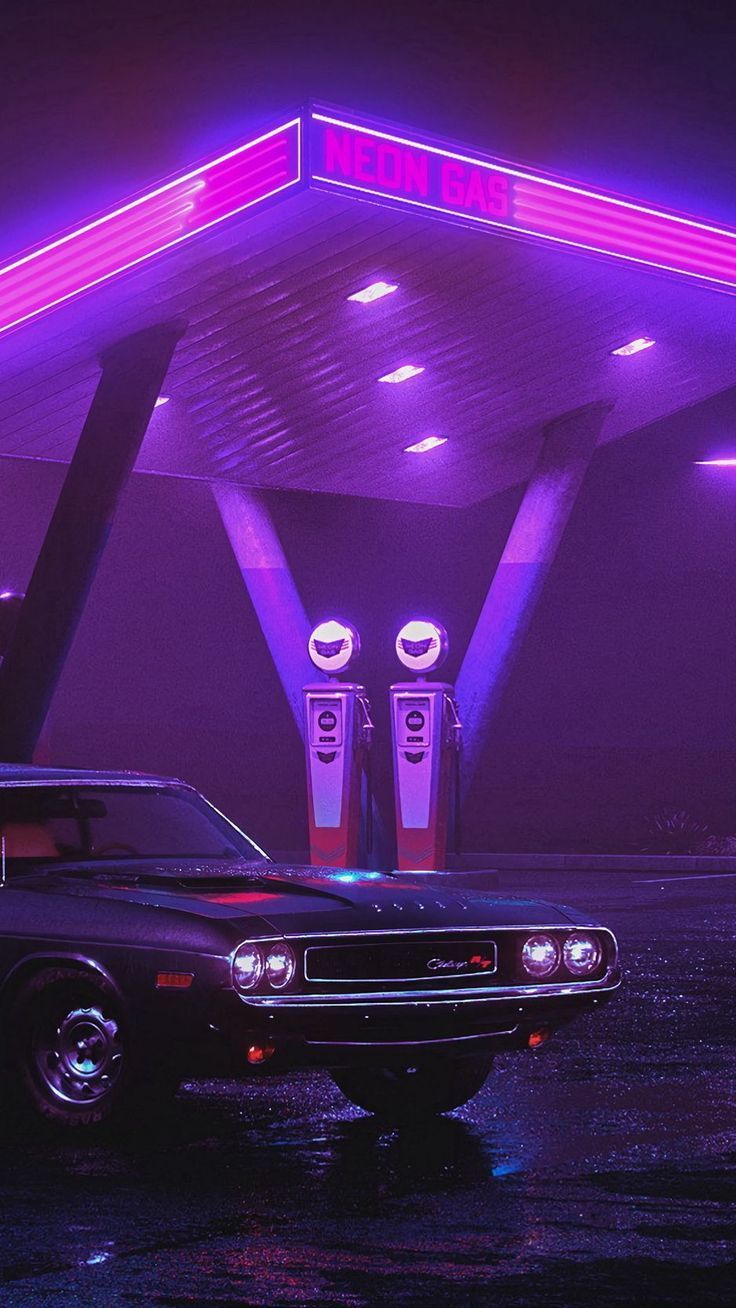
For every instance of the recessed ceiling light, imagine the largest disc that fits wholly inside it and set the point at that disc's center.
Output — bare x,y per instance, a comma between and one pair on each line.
375,291
633,347
429,443
162,399
716,463
402,374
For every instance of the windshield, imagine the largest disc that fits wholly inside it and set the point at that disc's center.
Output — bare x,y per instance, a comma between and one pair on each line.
47,824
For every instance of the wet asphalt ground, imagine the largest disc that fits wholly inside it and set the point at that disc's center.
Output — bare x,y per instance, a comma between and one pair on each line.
598,1170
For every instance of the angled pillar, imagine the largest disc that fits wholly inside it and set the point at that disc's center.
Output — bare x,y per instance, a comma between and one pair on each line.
133,371
268,580
568,446
280,612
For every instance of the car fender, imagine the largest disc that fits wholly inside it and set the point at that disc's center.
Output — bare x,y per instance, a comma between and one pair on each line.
36,962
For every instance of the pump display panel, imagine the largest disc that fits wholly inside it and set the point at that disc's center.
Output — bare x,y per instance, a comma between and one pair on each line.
325,722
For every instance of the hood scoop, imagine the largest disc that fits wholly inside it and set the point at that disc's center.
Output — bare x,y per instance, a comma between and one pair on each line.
190,873
222,881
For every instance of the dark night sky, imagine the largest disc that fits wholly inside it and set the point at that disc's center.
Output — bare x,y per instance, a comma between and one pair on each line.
99,98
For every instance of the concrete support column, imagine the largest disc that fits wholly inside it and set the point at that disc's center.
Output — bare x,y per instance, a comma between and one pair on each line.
268,580
568,446
281,614
133,372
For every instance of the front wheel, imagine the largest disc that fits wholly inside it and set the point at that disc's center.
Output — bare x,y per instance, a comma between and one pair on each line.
72,1058
414,1089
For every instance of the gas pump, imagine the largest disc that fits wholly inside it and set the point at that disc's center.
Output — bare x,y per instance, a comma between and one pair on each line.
337,739
426,734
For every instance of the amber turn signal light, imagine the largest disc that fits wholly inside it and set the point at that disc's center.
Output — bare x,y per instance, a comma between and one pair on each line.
260,1053
538,1038
174,980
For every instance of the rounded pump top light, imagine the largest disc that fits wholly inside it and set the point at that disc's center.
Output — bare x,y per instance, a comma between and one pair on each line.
422,646
333,646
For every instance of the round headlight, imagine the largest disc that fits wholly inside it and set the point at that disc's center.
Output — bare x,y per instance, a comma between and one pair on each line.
247,967
540,955
280,965
582,953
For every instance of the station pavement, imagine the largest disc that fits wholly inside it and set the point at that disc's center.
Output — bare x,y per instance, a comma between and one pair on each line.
600,1169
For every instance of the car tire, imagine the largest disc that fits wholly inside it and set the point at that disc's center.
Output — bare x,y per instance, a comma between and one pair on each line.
73,1059
401,1093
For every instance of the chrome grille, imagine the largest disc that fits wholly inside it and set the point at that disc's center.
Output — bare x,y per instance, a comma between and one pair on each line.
457,960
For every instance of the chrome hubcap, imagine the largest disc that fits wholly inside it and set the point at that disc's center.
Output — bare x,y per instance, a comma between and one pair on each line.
80,1056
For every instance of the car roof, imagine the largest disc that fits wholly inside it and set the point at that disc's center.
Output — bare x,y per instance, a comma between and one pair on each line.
27,774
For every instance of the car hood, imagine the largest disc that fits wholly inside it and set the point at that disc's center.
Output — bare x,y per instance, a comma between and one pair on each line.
270,898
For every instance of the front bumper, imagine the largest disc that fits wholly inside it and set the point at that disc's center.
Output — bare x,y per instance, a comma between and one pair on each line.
306,1031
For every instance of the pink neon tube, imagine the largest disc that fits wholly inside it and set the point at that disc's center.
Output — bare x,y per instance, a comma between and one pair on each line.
655,242
24,301
237,178
548,209
592,234
147,226
559,198
221,202
146,218
252,159
63,271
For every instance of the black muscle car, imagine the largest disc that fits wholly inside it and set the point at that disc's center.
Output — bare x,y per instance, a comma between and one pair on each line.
144,938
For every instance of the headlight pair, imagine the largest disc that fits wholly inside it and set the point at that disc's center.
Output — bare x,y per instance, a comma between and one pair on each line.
251,963
581,953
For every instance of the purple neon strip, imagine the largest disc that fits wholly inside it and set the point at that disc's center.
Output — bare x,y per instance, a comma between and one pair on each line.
216,197
143,212
545,204
613,231
21,302
147,226
620,242
689,233
234,183
229,206
61,277
151,222
654,243
21,307
112,232
275,151
222,201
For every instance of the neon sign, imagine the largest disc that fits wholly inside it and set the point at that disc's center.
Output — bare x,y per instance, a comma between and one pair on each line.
136,231
364,160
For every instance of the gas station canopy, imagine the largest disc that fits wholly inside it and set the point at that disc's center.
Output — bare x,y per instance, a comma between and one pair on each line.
506,312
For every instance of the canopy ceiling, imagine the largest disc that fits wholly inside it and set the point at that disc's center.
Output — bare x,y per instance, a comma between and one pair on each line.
275,382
